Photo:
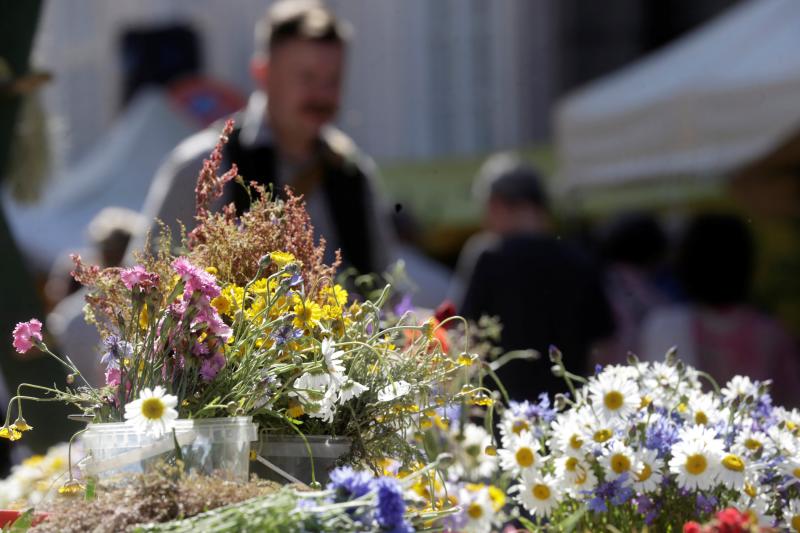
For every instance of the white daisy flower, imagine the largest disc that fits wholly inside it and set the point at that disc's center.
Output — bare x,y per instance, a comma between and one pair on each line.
696,458
705,410
153,413
752,443
538,494
648,476
790,467
471,460
618,459
311,387
574,476
479,510
521,455
791,515
333,359
351,389
734,470
739,387
394,390
566,435
614,397
599,433
624,372
661,382
783,441
512,424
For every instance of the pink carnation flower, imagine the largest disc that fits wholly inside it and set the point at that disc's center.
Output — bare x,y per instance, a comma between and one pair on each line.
138,277
27,334
197,279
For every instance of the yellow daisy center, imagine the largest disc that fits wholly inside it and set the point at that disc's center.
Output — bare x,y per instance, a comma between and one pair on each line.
645,474
540,491
524,457
696,464
752,444
750,490
575,442
571,464
796,522
602,435
796,472
620,463
153,408
520,426
733,462
613,400
700,418
475,511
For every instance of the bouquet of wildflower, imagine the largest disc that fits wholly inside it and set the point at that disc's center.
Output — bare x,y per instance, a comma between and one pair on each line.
644,445
247,319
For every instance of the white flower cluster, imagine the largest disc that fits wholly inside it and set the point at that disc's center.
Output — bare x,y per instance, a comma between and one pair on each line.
636,439
34,479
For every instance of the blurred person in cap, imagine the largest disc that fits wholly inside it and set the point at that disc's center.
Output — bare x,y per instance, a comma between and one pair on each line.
284,137
544,291
718,330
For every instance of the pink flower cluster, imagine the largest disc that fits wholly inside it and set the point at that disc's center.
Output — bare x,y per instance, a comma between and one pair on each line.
27,335
138,277
200,288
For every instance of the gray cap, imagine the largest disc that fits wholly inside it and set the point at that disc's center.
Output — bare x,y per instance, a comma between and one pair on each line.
507,176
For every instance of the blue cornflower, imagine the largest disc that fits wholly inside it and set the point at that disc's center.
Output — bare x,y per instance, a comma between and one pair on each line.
705,504
403,306
116,349
285,333
349,484
391,507
660,436
647,508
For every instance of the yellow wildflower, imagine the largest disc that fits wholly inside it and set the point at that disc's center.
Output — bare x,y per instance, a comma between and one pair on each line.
336,295
10,433
259,286
235,296
20,425
71,488
222,304
212,270
144,317
281,259
307,314
295,409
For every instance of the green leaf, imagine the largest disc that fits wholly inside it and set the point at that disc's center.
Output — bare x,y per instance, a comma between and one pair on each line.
21,524
530,526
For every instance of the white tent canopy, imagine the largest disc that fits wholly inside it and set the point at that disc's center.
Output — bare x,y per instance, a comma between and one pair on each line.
721,97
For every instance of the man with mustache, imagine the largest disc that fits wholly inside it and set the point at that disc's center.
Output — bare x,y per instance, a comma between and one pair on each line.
283,137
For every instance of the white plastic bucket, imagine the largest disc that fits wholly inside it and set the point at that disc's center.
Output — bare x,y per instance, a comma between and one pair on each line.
211,446
290,455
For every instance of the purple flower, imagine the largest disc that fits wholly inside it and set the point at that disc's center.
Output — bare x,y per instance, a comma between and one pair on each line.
116,349
211,366
646,507
138,277
661,435
348,483
404,305
391,506
705,504
285,333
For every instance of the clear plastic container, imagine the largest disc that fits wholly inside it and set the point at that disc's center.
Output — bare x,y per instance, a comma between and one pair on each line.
289,453
212,446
